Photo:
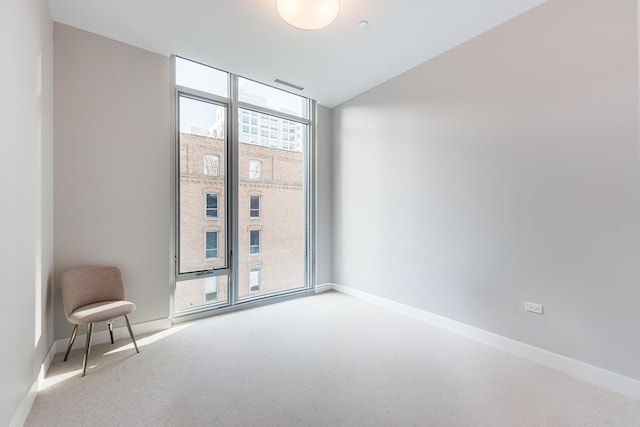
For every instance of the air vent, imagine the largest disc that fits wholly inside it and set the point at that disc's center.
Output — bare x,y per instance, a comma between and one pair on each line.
291,85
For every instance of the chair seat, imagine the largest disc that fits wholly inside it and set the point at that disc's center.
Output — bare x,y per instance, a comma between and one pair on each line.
101,311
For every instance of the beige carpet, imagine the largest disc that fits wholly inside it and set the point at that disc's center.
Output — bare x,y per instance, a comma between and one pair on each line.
327,360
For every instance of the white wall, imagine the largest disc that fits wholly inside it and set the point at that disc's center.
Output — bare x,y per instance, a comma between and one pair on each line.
324,204
505,170
26,195
112,182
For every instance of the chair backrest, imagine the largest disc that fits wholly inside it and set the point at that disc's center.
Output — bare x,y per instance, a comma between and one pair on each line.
88,285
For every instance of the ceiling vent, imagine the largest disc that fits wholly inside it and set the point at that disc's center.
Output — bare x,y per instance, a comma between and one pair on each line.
291,85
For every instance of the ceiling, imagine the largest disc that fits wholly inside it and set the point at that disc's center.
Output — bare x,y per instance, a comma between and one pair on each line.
247,37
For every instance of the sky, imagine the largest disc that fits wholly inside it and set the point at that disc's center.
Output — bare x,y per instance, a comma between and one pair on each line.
207,79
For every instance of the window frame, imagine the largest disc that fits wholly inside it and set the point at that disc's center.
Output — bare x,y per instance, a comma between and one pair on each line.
217,291
259,171
207,208
252,210
255,269
231,234
204,164
255,249
206,244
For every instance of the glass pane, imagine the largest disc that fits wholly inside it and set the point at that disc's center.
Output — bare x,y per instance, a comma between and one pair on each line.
262,95
203,229
212,201
212,244
198,292
211,164
275,241
254,279
254,238
274,132
202,78
255,202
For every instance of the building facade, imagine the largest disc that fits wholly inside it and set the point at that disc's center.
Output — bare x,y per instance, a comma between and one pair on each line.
271,213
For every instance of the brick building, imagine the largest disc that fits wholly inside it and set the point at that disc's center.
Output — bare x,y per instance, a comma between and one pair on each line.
271,218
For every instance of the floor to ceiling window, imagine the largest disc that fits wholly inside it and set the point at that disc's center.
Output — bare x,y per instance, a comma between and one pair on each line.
243,190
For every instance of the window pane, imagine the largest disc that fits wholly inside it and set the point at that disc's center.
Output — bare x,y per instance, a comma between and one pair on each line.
212,205
276,206
211,289
198,292
254,241
255,202
279,133
203,148
255,237
254,279
211,244
254,207
211,164
262,95
255,169
202,118
200,77
212,201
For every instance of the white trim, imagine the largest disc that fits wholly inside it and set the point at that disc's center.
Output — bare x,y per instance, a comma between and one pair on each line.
102,337
325,287
577,369
21,414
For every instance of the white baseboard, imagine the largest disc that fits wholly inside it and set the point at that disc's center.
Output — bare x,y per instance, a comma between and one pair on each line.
324,287
102,337
577,369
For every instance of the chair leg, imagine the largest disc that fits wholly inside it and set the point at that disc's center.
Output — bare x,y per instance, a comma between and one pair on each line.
86,350
111,331
131,333
74,334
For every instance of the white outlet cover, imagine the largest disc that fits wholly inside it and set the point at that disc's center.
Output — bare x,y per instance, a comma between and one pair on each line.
533,307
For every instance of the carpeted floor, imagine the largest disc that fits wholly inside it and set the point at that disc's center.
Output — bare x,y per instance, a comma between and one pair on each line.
327,360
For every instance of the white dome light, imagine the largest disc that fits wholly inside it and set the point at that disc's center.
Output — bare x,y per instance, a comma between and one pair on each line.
308,14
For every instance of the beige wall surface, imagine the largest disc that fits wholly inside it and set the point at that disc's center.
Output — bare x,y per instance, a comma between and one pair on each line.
112,167
503,171
324,196
26,197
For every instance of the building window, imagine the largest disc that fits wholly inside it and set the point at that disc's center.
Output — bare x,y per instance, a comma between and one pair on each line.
254,206
254,279
211,289
254,242
211,209
211,165
255,169
211,245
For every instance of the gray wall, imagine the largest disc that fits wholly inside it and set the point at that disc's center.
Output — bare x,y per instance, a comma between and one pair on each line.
503,171
112,183
324,195
26,194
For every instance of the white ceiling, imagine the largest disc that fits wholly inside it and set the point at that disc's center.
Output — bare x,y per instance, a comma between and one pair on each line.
247,37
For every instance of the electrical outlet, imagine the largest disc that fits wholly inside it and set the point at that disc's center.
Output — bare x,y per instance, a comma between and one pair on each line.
533,307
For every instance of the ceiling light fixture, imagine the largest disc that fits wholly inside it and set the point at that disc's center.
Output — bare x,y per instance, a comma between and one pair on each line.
308,14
